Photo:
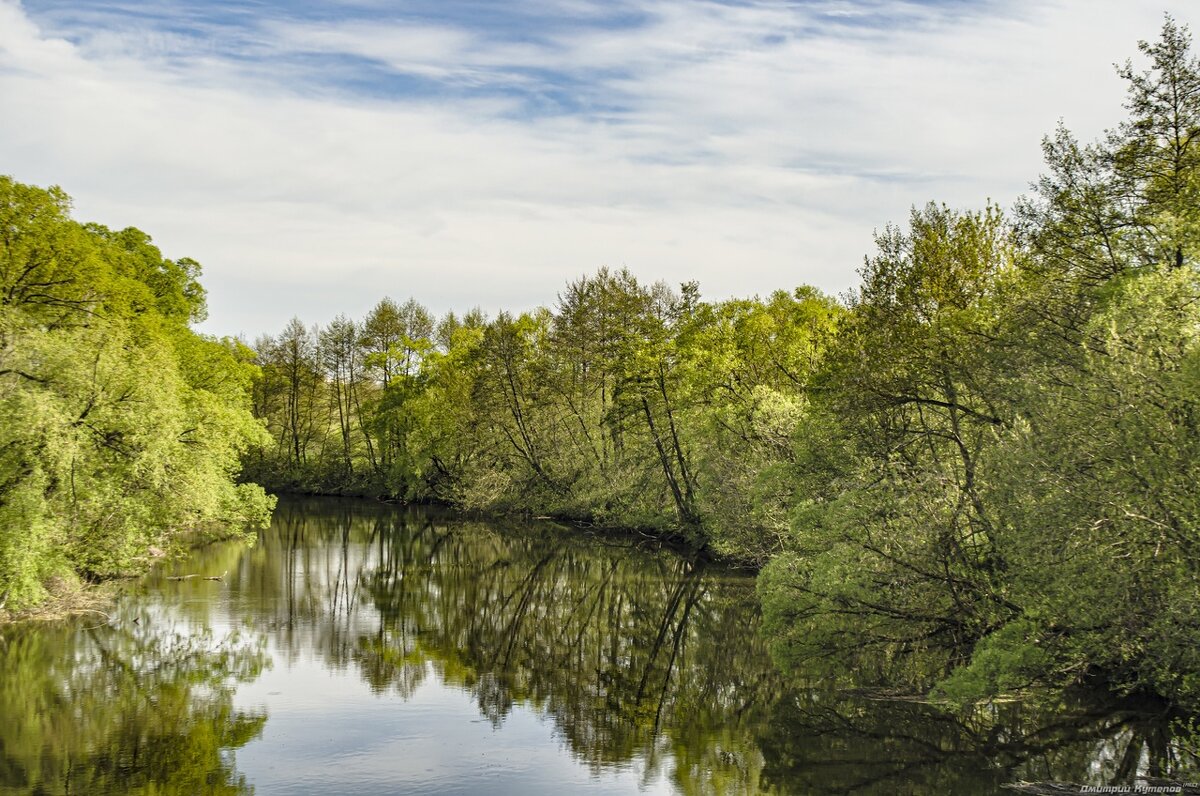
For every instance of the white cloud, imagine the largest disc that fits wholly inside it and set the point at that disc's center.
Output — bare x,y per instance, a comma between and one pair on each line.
751,147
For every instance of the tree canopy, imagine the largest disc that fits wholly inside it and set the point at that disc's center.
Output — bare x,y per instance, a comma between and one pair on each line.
975,471
120,427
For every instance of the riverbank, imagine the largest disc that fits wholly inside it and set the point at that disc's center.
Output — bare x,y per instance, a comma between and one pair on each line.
671,538
68,594
66,598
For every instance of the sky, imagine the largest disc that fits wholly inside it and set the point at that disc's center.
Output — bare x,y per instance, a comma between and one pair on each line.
316,157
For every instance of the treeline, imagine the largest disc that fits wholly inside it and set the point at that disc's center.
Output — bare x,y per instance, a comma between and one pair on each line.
978,469
626,404
121,430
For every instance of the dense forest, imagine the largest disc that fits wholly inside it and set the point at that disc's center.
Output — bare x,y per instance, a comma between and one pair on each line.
978,469
974,473
121,430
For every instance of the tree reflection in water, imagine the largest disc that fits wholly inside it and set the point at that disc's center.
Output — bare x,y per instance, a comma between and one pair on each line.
826,743
633,652
638,653
640,658
123,708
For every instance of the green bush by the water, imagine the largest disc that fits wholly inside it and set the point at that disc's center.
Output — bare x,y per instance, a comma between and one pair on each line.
120,428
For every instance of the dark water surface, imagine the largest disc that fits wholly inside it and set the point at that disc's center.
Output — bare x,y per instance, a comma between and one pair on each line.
360,649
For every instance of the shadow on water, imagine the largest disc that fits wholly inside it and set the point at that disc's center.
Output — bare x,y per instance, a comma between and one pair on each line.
632,653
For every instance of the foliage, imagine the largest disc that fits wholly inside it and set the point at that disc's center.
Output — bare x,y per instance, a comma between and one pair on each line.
977,469
627,404
120,428
1114,450
1015,416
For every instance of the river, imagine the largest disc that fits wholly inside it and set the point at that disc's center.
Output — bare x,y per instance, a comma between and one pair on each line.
359,648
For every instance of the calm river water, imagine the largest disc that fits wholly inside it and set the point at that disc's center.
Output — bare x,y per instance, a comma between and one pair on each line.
361,649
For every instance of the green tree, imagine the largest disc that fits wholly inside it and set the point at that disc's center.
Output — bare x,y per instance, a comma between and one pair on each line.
754,366
339,353
50,269
1095,489
1128,201
894,552
121,428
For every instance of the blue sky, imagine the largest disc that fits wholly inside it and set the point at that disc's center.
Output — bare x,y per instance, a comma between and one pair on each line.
318,156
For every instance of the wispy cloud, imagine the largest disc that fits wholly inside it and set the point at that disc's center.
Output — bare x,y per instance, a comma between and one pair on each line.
482,153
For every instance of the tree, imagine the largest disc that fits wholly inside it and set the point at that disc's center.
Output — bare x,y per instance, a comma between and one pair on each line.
507,392
894,554
50,269
340,358
1095,491
1129,201
753,365
1156,152
120,428
292,361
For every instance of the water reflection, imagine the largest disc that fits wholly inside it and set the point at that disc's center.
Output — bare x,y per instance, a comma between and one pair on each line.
633,653
640,660
824,743
639,654
123,708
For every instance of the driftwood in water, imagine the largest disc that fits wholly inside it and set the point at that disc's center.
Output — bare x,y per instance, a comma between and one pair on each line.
220,577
